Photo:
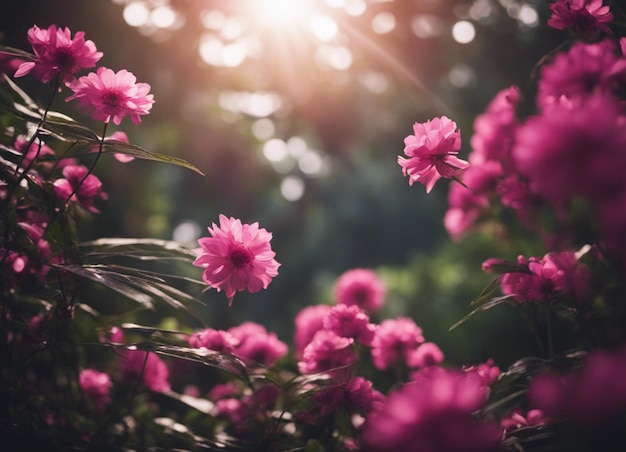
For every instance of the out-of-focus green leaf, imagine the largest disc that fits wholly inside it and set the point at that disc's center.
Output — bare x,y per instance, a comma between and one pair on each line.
141,249
484,307
223,361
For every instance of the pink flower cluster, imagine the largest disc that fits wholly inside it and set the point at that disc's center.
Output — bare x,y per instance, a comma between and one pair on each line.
432,413
249,341
590,396
543,279
110,95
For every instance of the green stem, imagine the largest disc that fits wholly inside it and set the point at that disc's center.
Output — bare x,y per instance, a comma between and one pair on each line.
75,190
549,332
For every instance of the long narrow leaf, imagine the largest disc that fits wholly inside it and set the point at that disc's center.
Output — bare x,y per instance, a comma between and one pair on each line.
484,307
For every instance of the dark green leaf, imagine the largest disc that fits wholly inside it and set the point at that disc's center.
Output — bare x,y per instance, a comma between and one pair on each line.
484,307
142,249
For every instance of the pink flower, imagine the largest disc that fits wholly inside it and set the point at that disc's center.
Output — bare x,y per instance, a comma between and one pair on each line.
432,152
262,348
584,17
113,95
432,414
96,385
246,330
56,53
86,194
36,150
218,340
237,257
494,130
394,342
581,71
488,372
328,353
355,395
361,287
427,354
121,136
467,204
516,419
350,321
574,150
590,396
307,322
541,279
148,366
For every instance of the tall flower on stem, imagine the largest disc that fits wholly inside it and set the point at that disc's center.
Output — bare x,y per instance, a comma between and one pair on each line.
237,256
432,152
113,95
57,53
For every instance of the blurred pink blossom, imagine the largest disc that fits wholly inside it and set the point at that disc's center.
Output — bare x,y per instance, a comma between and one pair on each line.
96,386
432,414
350,321
307,322
394,342
88,190
583,17
361,287
148,366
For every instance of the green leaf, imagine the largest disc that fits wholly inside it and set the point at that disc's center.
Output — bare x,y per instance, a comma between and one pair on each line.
141,249
484,307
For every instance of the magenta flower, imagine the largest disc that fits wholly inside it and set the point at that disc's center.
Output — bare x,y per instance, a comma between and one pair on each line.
307,322
262,348
361,287
36,150
541,279
580,72
591,396
494,130
237,257
432,152
427,354
56,53
328,353
432,414
121,136
350,321
113,95
583,17
89,191
574,149
355,395
394,342
217,340
96,386
148,366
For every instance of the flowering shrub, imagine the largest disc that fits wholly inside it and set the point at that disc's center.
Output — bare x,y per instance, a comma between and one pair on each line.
78,374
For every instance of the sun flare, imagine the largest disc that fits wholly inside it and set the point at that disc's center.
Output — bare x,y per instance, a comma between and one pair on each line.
282,12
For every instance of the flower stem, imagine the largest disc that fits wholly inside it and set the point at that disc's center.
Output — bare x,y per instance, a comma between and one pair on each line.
77,187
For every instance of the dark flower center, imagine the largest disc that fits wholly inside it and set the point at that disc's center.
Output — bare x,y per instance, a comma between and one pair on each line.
241,257
112,98
64,59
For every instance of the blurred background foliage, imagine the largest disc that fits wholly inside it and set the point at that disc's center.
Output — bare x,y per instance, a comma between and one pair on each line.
296,117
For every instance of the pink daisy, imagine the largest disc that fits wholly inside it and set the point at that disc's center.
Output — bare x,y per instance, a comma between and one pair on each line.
432,152
113,95
584,17
57,53
237,257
